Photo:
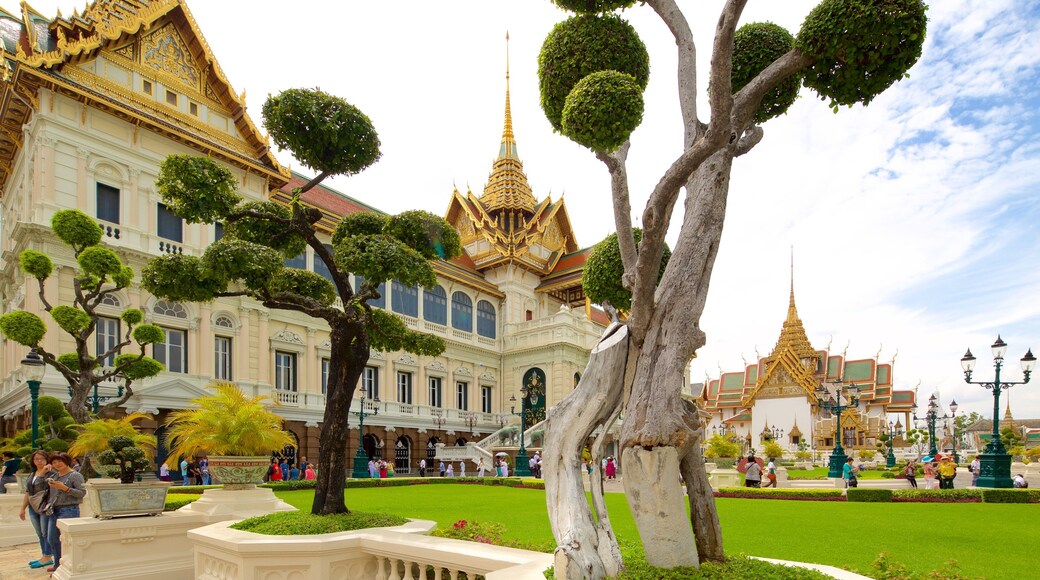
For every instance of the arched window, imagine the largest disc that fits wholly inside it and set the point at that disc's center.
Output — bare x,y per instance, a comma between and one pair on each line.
224,322
405,299
377,302
486,319
461,312
435,305
172,309
111,299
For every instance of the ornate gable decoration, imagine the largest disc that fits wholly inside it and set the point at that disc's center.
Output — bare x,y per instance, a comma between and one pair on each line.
287,336
165,51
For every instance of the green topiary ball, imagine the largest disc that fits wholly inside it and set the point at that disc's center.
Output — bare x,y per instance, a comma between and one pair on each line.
71,320
149,334
361,223
266,232
304,283
36,264
861,47
593,6
426,233
603,110
76,228
580,46
196,188
139,369
23,327
99,261
323,131
601,279
756,46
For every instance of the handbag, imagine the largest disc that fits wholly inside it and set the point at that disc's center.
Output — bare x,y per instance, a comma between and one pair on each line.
38,501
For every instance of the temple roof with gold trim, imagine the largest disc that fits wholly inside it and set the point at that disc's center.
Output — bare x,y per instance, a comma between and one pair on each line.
155,40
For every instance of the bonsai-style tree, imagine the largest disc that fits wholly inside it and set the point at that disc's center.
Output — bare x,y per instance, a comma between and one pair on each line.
918,440
592,71
56,430
226,423
803,453
128,457
331,137
101,273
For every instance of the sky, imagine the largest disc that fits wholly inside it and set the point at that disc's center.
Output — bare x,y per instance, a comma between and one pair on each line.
913,221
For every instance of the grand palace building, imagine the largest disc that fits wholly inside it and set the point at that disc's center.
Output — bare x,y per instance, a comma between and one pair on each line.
90,105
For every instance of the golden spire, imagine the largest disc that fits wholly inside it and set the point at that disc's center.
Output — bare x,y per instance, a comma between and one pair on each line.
793,335
507,187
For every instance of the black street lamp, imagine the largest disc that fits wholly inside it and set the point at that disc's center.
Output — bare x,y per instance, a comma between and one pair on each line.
523,469
834,405
893,432
361,459
34,368
931,417
777,434
995,462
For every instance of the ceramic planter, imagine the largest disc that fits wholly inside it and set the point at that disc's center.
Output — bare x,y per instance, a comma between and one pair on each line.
113,499
238,472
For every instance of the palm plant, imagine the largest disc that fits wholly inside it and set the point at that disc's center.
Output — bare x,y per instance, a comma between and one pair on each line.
226,423
94,436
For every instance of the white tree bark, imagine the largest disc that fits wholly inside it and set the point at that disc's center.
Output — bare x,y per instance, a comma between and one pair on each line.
584,549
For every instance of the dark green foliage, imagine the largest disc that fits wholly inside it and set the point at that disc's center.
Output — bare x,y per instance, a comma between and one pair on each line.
100,262
50,408
55,445
175,501
296,523
381,257
323,131
132,316
36,264
972,495
861,47
756,46
71,360
602,110
71,320
779,493
139,369
231,259
735,568
601,279
580,46
593,6
428,234
389,333
123,453
179,277
197,189
868,495
23,327
1006,496
304,283
148,334
273,233
123,277
359,224
76,229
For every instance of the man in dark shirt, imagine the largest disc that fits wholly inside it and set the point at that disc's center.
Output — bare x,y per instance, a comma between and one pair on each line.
11,465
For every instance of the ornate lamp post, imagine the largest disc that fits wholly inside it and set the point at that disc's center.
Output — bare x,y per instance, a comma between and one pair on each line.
955,435
34,368
523,468
834,405
893,432
995,462
361,459
95,400
931,418
777,434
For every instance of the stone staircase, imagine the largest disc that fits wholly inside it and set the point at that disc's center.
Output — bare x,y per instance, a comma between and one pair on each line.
504,439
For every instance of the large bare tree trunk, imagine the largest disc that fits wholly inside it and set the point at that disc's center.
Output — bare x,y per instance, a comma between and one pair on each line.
584,549
707,532
332,441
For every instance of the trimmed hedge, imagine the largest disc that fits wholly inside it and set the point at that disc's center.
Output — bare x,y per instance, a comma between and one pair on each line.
1007,496
175,501
406,481
868,495
938,495
781,493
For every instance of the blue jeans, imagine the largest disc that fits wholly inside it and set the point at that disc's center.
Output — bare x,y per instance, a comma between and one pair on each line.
53,535
39,523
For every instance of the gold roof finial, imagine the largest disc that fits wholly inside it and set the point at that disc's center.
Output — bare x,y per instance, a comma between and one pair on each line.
507,187
792,335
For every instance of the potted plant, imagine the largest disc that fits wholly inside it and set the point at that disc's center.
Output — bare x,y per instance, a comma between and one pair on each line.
237,433
126,497
94,439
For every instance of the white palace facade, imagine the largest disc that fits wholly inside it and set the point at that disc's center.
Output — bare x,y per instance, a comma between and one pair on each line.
91,103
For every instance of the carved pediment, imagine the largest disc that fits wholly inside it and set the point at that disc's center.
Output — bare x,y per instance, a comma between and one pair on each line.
436,365
287,336
463,371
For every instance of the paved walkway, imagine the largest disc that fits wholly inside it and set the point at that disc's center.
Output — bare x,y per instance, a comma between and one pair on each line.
14,562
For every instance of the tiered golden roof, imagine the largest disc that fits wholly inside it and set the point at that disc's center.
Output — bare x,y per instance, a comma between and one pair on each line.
507,188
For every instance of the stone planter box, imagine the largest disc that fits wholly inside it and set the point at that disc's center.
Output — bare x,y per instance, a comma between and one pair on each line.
109,500
375,553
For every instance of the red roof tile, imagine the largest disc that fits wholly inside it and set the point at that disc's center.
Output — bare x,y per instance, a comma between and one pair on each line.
325,198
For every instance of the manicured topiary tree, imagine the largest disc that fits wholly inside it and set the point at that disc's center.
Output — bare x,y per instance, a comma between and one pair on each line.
331,137
124,454
101,273
590,69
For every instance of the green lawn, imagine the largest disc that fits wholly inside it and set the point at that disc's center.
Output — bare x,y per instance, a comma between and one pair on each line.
922,536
